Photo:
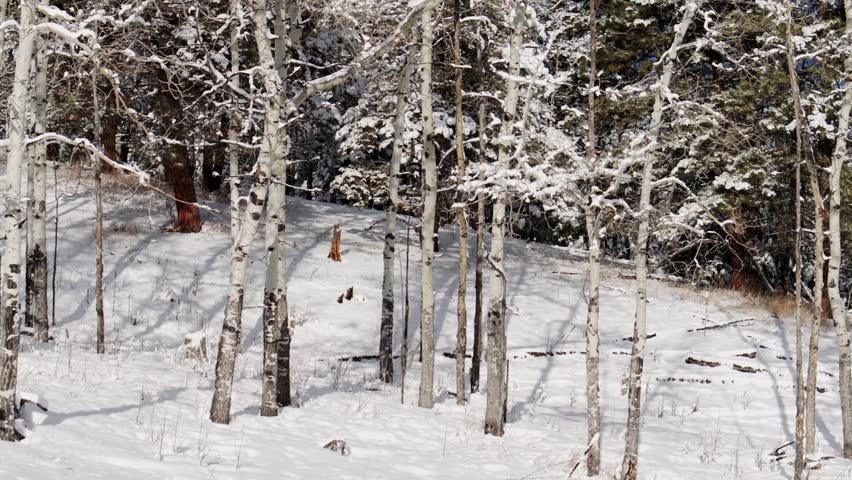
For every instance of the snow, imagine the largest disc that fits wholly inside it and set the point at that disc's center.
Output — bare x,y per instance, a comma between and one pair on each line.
140,411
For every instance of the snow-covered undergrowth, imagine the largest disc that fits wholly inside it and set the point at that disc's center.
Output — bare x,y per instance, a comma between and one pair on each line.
140,412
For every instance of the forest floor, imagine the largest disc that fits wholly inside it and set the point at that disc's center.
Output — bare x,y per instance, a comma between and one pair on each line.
140,411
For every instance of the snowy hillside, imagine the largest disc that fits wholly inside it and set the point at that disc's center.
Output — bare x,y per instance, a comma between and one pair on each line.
140,412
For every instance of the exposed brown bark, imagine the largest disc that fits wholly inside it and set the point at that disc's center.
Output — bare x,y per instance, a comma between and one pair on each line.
461,214
179,175
476,361
99,218
334,253
177,164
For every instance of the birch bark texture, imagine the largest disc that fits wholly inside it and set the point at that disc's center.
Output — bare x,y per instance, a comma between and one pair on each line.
273,295
430,198
37,263
229,342
10,264
289,36
496,324
461,212
592,214
391,208
838,309
235,13
630,462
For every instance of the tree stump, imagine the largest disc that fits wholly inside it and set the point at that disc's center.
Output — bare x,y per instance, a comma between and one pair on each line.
195,347
335,254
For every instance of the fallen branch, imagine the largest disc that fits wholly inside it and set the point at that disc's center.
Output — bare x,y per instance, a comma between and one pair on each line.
713,327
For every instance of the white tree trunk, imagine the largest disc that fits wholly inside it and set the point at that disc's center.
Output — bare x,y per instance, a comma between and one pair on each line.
38,250
274,290
461,214
229,343
234,124
283,53
386,325
629,466
593,401
838,309
496,357
430,198
10,265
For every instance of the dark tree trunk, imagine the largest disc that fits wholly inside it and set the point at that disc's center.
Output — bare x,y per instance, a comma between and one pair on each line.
213,161
177,164
283,384
179,175
109,129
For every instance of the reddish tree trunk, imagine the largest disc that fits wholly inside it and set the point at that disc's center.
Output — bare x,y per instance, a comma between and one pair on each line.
178,167
179,175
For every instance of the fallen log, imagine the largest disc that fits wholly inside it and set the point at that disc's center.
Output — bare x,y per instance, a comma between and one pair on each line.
747,369
702,363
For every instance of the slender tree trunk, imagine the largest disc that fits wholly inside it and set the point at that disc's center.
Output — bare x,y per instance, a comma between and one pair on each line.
798,464
805,149
461,334
55,242
10,264
229,343
496,357
803,143
630,463
476,361
593,401
816,326
4,4
430,196
234,124
30,194
37,268
29,158
283,52
403,355
838,309
386,329
819,264
99,216
274,319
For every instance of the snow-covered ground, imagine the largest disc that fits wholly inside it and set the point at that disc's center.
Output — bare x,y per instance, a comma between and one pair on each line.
140,412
